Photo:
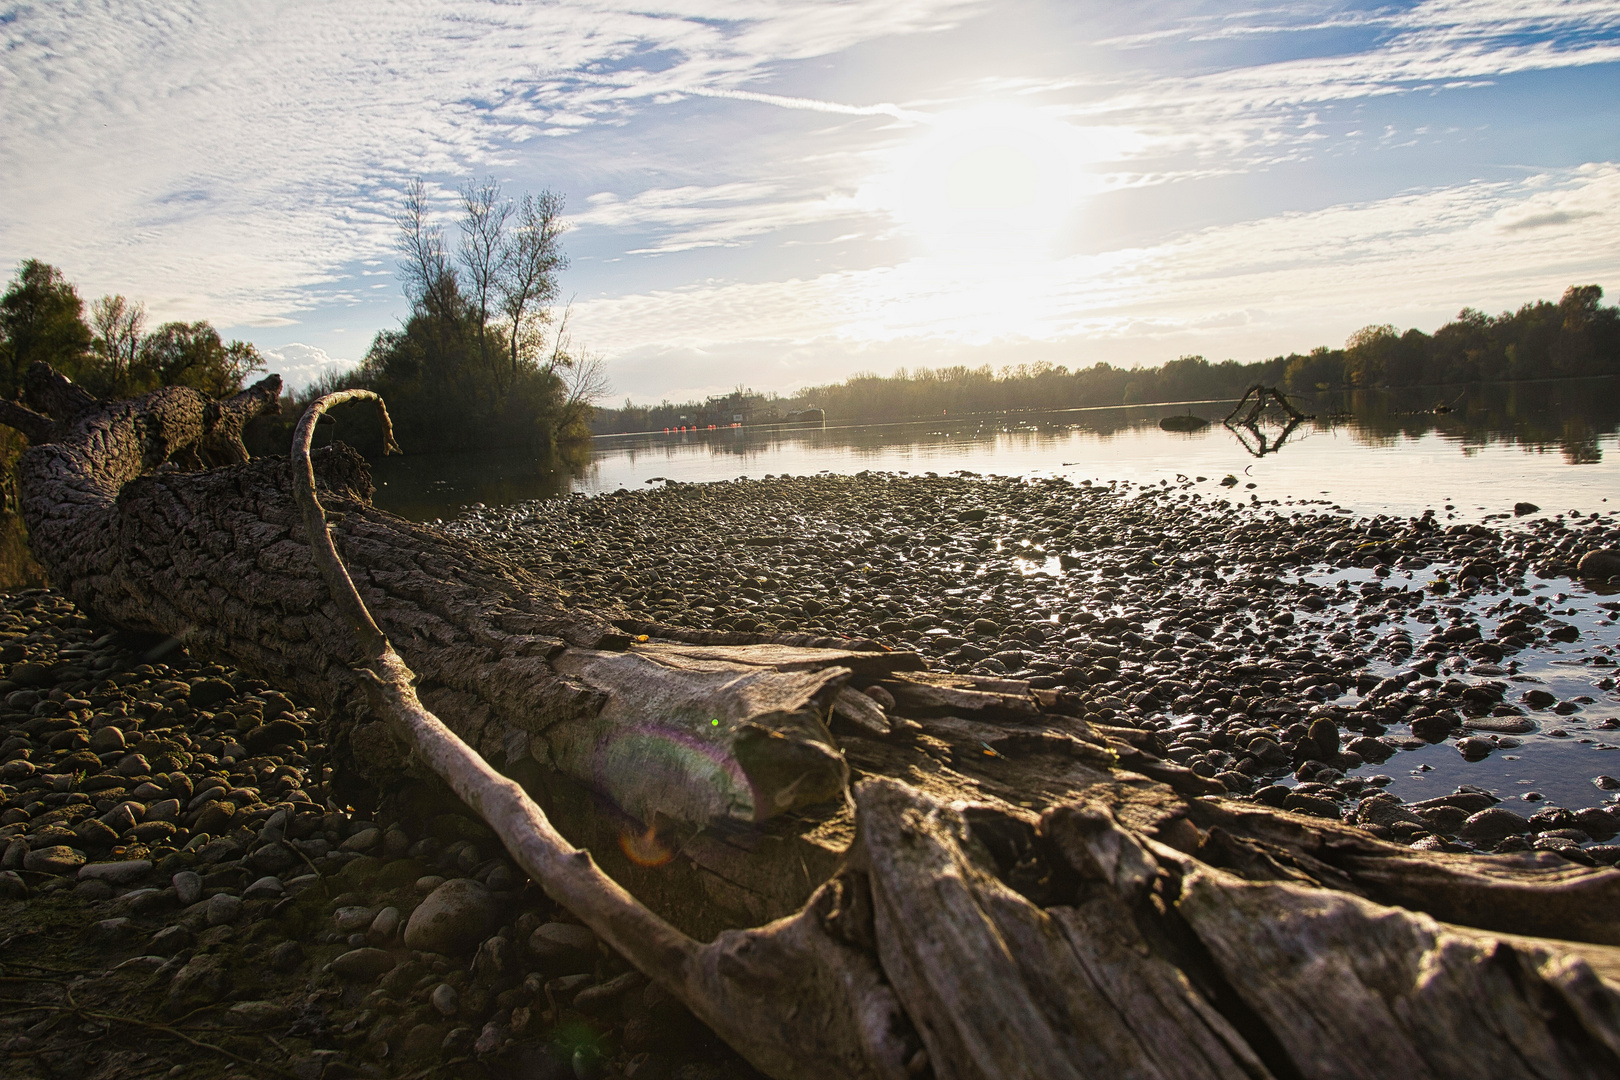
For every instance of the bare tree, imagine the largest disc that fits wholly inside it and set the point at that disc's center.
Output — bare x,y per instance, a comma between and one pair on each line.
430,279
483,253
528,282
119,326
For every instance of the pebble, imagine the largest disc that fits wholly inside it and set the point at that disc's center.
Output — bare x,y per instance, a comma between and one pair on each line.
188,887
452,918
223,908
445,999
364,963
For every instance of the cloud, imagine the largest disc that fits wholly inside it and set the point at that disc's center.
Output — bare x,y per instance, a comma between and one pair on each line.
228,159
299,364
1248,289
1547,220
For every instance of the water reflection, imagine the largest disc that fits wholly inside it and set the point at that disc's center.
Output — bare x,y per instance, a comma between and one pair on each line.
1482,447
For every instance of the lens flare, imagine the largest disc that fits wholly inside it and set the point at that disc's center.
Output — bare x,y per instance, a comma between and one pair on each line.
645,849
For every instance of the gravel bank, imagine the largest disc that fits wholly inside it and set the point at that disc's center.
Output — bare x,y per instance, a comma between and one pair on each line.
177,857
1287,650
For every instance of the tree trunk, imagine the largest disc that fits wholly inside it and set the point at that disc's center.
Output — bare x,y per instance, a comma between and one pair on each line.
1008,891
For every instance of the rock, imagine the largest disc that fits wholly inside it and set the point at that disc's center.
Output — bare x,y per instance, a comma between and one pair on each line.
134,765
268,887
452,918
556,939
204,979
1520,509
286,956
1385,810
209,693
1431,728
1538,699
493,959
363,964
56,859
187,887
1604,563
116,873
215,816
445,999
268,736
1315,805
351,918
107,740
384,926
12,886
223,908
162,810
271,859
364,840
93,833
1493,825
111,931
170,940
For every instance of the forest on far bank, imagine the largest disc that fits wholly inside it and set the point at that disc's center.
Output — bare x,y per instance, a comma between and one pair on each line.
1576,336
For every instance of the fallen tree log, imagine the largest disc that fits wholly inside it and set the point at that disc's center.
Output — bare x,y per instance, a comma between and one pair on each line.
1008,891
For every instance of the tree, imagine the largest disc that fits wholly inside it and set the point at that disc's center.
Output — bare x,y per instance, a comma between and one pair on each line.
534,258
41,319
483,256
192,354
119,327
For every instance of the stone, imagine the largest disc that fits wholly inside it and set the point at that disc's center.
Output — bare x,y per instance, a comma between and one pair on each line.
210,692
116,873
286,956
111,931
56,859
271,859
187,887
445,999
385,926
451,919
1603,563
215,816
107,740
93,833
170,940
364,840
268,887
1315,805
162,810
12,886
223,908
556,939
1520,509
363,964
1385,810
1493,825
352,917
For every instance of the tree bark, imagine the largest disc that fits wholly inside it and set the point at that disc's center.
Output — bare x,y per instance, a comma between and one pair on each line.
1007,891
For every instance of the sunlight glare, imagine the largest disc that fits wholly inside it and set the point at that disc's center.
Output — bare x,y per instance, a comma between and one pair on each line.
994,183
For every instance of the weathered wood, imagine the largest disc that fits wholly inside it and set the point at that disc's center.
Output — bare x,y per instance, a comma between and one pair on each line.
1023,894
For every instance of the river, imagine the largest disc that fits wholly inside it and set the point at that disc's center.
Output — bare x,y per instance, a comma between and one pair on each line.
1551,443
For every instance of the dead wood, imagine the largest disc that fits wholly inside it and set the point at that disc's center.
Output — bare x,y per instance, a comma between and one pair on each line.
1008,892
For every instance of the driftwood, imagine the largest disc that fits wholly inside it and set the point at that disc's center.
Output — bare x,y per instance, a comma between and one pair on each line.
1009,891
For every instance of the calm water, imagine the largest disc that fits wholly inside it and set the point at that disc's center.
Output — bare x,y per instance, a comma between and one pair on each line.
1551,443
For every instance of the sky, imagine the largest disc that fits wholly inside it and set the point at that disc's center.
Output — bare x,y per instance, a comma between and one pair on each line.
781,193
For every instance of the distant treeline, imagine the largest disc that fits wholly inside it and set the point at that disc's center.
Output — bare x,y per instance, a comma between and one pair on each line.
1574,337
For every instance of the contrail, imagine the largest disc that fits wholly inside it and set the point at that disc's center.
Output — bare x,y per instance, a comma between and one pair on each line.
815,105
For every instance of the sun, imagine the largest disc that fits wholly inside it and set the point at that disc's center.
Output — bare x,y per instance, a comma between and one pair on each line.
993,182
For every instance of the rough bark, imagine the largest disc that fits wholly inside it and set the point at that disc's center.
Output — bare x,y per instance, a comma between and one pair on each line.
1008,891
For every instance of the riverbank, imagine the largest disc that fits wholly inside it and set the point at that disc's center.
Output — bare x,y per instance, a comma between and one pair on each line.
182,865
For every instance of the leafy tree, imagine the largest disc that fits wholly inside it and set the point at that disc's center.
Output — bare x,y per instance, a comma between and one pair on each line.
41,318
192,354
